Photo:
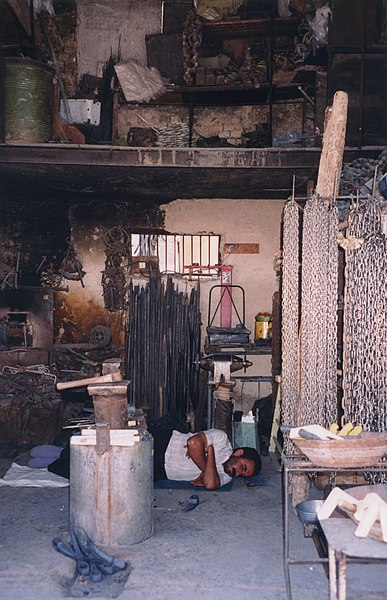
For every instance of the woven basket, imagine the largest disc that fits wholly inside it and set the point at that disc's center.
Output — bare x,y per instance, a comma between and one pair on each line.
364,450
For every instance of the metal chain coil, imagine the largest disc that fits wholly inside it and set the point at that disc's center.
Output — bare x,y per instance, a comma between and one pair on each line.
319,288
290,317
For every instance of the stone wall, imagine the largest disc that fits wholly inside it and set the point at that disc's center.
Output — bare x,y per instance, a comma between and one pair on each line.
114,26
227,122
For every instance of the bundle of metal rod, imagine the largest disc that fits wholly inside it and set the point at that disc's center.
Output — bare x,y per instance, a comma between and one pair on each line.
162,342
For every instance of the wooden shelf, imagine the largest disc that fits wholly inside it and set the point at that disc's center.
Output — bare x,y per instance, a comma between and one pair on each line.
197,89
210,95
248,349
251,27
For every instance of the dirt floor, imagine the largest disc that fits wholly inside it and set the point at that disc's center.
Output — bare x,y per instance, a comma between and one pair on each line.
228,548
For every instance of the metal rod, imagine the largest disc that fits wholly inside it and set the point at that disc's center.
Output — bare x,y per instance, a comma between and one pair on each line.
308,98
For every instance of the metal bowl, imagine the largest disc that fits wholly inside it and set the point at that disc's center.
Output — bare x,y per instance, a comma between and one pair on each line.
307,510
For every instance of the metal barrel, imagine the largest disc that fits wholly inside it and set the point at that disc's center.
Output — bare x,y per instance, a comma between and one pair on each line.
28,101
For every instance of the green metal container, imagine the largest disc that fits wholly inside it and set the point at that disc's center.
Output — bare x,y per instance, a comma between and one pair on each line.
28,100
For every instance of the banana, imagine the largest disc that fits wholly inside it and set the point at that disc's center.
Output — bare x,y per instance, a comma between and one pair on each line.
334,428
356,430
346,429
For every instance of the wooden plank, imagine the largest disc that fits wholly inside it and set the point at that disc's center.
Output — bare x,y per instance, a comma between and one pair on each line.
241,248
79,440
251,27
125,433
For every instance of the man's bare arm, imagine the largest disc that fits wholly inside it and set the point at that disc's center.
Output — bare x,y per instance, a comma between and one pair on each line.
196,450
204,458
211,479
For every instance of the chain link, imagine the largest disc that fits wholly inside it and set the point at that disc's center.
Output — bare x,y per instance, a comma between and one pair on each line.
318,398
290,318
365,333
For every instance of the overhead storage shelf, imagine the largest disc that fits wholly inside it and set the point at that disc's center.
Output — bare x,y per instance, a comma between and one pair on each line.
251,27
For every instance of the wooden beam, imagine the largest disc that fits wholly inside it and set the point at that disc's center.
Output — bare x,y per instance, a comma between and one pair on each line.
331,160
241,248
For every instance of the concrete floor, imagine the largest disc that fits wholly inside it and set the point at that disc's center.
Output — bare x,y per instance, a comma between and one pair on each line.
228,548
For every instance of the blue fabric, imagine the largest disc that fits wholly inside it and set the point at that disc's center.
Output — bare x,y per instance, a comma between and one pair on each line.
170,484
44,455
46,450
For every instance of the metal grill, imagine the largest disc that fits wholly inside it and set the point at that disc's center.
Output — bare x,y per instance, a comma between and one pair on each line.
175,251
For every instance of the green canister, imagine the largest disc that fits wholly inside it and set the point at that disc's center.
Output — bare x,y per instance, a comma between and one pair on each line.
29,92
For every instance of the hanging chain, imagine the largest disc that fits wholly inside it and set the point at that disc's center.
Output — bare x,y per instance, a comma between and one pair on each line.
365,310
192,39
365,333
290,317
329,328
318,398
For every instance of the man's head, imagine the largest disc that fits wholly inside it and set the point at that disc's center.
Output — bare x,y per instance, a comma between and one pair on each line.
243,462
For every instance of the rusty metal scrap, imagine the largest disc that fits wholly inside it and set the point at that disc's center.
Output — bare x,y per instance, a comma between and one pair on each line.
37,379
192,39
30,407
117,250
9,275
71,267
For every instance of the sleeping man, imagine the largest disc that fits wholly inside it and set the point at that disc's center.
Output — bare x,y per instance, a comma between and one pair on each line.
205,459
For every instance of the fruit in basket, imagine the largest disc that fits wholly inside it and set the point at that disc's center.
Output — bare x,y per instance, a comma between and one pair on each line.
346,429
356,430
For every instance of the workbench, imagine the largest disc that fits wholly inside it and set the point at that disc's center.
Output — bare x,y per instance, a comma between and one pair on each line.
342,544
330,544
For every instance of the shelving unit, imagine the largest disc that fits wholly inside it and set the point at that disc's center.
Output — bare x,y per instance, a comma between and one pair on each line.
251,27
268,93
261,30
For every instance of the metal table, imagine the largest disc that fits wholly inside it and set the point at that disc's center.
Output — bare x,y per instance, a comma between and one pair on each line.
342,543
299,464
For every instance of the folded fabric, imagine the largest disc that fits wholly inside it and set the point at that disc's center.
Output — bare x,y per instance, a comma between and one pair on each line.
46,450
44,455
41,462
20,476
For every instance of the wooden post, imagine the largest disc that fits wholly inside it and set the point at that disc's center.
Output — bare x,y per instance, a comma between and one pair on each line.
331,160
